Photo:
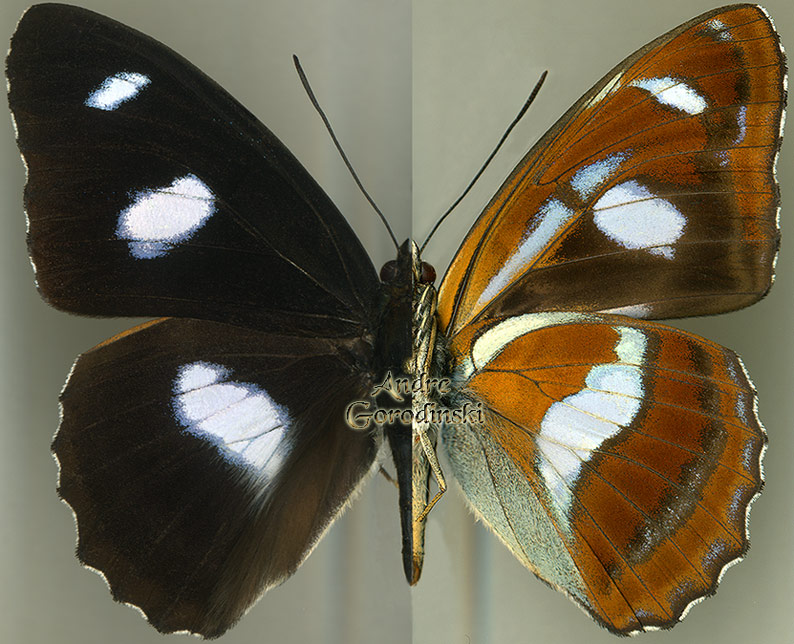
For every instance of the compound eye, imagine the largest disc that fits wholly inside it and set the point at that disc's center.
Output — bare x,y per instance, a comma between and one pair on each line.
388,272
428,274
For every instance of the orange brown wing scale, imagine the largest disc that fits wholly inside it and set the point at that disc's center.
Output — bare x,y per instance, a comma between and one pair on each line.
617,458
654,195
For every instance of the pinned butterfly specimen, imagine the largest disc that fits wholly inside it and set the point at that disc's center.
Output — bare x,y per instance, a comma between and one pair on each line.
205,453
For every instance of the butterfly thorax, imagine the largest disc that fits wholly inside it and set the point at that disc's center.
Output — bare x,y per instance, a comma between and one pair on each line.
407,343
424,323
393,359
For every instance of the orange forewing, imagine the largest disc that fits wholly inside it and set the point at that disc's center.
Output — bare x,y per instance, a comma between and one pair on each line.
654,194
638,443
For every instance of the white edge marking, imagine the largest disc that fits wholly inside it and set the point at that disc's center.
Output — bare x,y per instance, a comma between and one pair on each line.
780,132
21,156
750,503
96,571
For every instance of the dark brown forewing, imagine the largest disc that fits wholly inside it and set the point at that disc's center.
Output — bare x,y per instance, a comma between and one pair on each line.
617,458
204,461
152,192
654,194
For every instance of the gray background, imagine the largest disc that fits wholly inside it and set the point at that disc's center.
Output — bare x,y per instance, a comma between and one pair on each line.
418,95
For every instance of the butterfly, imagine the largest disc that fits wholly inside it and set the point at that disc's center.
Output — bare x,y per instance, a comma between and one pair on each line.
616,457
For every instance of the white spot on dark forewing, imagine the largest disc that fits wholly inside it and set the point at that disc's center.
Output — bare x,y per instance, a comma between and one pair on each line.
674,93
160,218
117,89
632,216
239,417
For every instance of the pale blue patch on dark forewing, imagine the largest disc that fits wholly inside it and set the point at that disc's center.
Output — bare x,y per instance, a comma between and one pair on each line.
737,508
716,553
160,218
116,90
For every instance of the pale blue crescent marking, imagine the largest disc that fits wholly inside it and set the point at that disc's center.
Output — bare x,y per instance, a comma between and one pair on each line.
573,429
117,89
160,218
239,417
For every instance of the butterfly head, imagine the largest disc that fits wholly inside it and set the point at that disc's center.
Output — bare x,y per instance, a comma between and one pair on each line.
408,264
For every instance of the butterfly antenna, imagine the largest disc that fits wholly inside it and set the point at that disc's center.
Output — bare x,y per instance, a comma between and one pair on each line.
313,99
521,113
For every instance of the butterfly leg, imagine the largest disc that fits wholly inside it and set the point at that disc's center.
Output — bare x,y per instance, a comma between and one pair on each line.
429,449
